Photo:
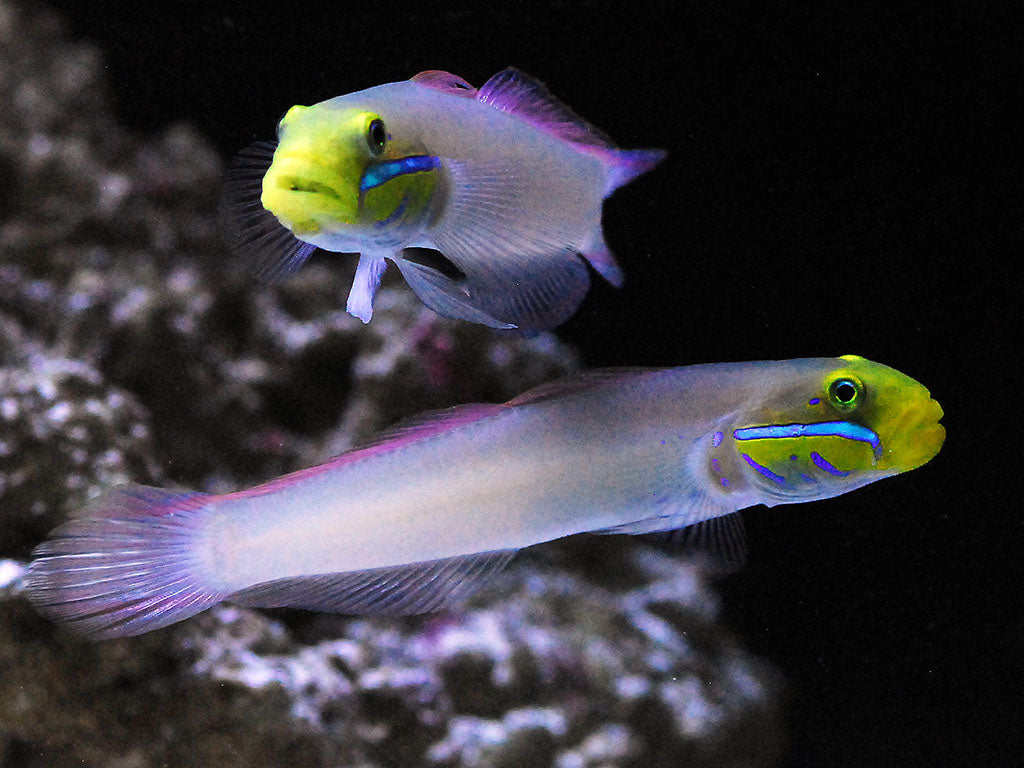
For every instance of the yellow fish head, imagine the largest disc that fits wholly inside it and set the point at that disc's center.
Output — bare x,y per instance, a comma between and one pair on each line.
837,428
897,408
338,171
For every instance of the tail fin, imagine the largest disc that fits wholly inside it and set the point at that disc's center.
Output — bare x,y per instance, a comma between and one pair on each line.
126,565
624,165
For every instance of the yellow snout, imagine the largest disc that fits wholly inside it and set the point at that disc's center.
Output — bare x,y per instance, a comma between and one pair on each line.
915,436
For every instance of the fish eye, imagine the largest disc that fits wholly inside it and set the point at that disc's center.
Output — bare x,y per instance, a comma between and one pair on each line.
845,393
376,135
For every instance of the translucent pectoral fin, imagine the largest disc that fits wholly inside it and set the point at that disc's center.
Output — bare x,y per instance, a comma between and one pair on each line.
717,543
270,250
521,265
401,590
445,295
369,272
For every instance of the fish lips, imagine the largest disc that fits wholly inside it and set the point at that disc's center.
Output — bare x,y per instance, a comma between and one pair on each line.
914,438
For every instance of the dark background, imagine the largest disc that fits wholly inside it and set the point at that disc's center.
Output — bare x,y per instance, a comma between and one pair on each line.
838,182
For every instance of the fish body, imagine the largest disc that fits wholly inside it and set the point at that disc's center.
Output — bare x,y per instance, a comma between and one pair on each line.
416,520
504,182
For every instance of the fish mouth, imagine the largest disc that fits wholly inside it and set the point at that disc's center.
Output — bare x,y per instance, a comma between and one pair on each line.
300,173
298,184
917,436
306,196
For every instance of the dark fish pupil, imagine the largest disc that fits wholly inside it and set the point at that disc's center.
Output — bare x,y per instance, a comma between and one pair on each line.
377,135
844,391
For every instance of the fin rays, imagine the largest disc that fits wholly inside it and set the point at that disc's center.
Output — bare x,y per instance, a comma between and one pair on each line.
408,589
124,566
519,270
519,254
253,232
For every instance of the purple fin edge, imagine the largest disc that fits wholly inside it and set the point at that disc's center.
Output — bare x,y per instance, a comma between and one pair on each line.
405,432
124,565
445,82
517,93
624,165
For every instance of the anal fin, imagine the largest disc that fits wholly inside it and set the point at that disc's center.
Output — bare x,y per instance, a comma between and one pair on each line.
393,591
445,295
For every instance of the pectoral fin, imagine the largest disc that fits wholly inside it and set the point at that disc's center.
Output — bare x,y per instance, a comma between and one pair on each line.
717,543
252,232
519,269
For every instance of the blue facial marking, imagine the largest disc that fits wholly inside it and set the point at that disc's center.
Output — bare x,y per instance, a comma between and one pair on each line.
764,471
844,429
380,173
814,401
716,439
395,214
821,463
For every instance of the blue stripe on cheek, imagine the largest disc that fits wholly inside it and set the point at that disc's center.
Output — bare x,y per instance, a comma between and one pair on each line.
821,463
850,431
380,173
844,429
762,470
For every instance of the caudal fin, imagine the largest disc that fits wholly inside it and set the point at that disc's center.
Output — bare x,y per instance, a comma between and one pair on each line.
624,165
125,565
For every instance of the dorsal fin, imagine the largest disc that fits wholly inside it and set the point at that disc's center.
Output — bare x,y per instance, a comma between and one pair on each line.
411,430
516,93
440,80
582,382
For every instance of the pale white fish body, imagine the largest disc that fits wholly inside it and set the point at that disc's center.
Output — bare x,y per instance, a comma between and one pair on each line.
416,520
549,185
525,474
